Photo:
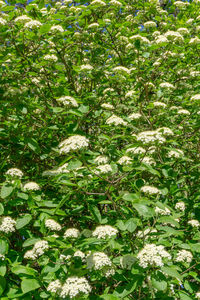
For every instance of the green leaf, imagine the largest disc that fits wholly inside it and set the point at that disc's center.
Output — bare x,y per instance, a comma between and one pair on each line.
23,270
184,296
33,145
6,190
131,225
96,213
109,297
2,269
3,246
44,28
28,285
159,284
172,272
21,222
1,209
143,210
30,242
2,284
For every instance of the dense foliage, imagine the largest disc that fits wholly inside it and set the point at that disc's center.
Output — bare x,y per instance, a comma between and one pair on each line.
100,150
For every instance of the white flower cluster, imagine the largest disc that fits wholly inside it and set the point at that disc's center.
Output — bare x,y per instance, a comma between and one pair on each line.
148,160
197,295
22,19
174,36
50,57
150,137
130,94
75,286
135,116
165,131
31,186
121,69
107,106
125,160
98,260
104,231
194,41
68,100
74,142
115,120
150,190
38,250
149,24
7,225
71,233
167,85
163,212
98,3
159,104
54,286
141,38
136,150
2,21
101,159
32,24
103,169
194,223
175,153
184,255
56,28
14,172
53,225
151,255
180,206
86,67
196,97
115,3
80,254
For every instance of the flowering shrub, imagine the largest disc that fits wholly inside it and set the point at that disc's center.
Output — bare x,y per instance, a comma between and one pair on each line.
100,150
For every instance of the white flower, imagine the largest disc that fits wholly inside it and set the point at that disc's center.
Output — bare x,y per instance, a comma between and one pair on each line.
71,233
74,286
180,4
40,247
150,137
148,160
175,153
65,257
139,37
22,19
194,41
2,21
54,286
163,212
104,231
86,68
108,90
159,104
50,57
184,255
98,3
183,30
165,131
196,97
101,159
93,25
80,254
56,28
53,225
183,112
197,295
98,260
2,257
31,186
102,169
134,116
150,190
167,85
30,254
14,172
115,3
161,39
149,24
174,36
115,120
121,69
32,24
107,106
68,100
136,150
7,224
109,272
152,255
130,94
74,142
125,160
194,223
180,206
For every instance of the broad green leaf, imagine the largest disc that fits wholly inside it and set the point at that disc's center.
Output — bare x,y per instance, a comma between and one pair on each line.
28,285
19,269
21,222
1,209
3,246
131,225
171,272
6,190
33,145
143,210
2,284
30,242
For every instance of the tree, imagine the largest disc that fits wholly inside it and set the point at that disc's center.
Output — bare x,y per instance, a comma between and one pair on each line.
100,150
